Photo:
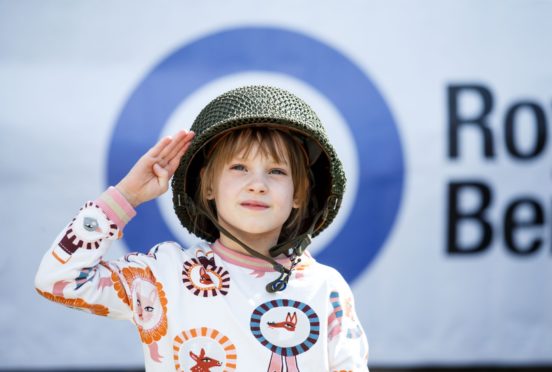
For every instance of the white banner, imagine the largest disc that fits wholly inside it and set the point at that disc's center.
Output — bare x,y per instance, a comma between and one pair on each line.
440,112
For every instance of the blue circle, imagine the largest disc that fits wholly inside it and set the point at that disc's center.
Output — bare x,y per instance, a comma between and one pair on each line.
306,344
325,69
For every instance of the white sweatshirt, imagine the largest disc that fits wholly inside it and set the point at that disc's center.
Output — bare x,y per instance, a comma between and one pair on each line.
204,308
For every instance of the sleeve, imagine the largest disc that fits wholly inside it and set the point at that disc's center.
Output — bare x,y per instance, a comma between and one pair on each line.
347,342
72,271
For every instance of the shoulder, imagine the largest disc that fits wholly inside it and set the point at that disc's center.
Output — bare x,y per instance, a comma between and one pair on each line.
169,252
330,276
172,249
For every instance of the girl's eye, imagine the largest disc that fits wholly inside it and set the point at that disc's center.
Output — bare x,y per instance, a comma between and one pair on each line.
278,171
238,167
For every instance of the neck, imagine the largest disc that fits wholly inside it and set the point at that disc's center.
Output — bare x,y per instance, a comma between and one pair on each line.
260,243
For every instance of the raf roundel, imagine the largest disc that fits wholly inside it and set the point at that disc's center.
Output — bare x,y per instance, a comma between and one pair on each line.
298,56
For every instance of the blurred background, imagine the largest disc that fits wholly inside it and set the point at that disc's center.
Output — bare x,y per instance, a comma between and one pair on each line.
440,111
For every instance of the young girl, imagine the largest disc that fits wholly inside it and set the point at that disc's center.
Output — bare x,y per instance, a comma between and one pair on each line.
257,178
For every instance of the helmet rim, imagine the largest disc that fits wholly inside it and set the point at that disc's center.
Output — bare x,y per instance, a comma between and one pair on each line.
259,106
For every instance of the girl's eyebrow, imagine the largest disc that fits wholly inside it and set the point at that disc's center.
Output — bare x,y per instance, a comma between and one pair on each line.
271,160
280,163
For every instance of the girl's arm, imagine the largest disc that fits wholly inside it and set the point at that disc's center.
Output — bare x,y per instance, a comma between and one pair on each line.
347,343
72,272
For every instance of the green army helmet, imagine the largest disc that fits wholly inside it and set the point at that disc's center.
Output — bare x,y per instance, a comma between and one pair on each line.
261,106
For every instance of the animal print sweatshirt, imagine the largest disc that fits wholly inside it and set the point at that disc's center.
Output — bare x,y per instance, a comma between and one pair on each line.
204,308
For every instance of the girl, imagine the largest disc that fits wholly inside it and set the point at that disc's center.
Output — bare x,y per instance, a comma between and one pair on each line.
257,178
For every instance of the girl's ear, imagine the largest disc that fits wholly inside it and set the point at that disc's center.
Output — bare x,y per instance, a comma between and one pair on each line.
209,195
296,203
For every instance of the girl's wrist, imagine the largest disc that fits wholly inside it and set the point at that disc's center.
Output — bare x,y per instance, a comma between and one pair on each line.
127,195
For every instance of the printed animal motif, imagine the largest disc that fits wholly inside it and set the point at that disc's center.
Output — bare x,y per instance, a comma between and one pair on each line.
204,277
148,301
335,319
145,303
91,224
204,260
354,331
349,309
299,270
342,313
203,362
292,340
59,286
104,282
279,363
87,230
215,342
130,257
289,324
75,303
85,275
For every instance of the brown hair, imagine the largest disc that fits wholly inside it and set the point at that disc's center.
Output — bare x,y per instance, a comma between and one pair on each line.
282,146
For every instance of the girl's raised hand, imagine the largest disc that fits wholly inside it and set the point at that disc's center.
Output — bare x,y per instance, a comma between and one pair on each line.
149,177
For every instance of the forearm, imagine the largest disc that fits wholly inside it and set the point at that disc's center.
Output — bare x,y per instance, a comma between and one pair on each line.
72,271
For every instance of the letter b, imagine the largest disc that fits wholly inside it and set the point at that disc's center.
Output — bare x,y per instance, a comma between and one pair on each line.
477,215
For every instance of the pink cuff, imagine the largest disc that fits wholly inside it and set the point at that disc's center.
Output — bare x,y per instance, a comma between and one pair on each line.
116,207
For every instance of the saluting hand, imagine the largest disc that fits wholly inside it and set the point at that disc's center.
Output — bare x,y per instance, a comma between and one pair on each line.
149,177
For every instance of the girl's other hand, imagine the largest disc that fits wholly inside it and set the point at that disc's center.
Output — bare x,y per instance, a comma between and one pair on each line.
149,177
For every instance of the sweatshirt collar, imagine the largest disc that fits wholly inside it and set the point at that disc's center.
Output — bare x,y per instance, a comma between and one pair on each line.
250,262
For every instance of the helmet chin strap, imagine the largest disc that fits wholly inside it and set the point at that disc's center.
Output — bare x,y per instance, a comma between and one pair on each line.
292,249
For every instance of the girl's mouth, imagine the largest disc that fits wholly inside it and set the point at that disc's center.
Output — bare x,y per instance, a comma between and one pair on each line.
254,205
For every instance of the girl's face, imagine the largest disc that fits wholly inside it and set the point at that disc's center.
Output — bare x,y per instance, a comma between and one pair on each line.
254,195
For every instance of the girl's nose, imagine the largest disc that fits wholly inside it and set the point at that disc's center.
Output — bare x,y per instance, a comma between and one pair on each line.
257,184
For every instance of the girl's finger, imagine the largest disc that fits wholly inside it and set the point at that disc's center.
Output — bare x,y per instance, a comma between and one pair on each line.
162,175
170,148
178,150
159,146
175,162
